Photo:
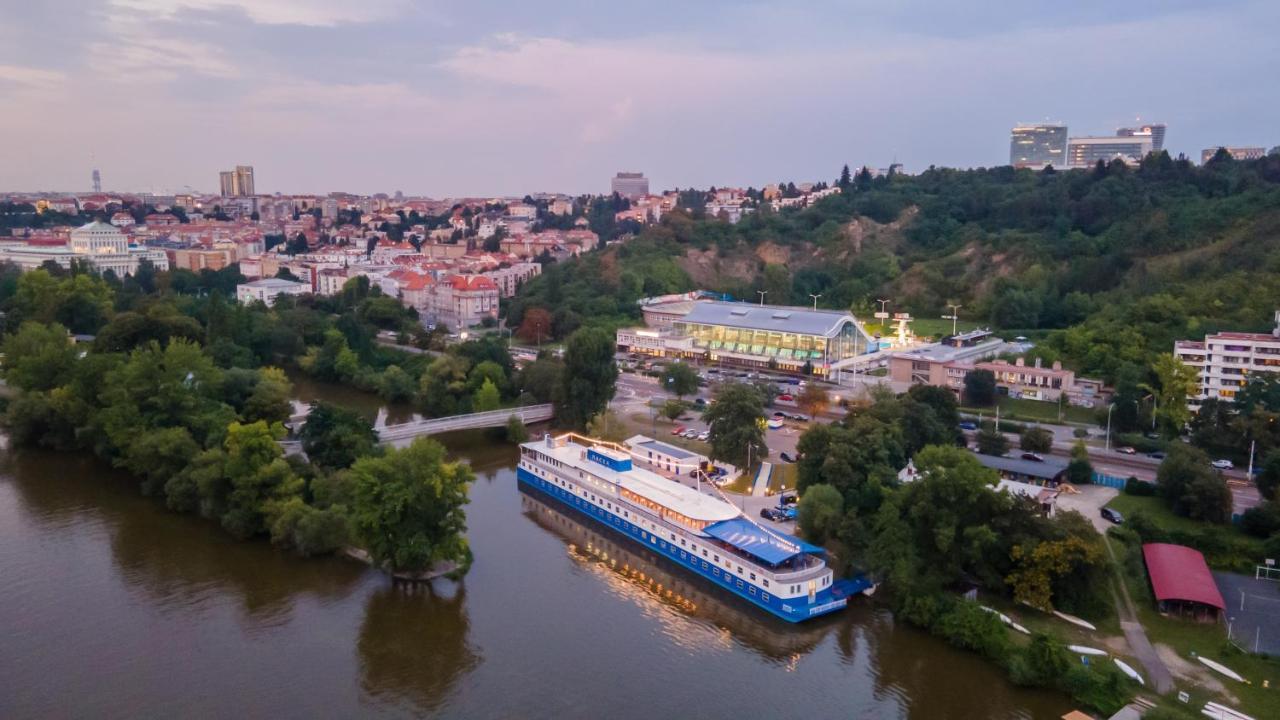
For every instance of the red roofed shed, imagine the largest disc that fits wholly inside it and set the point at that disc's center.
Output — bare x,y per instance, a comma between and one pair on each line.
1181,581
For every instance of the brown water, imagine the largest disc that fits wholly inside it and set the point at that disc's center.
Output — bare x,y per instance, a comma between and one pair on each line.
112,607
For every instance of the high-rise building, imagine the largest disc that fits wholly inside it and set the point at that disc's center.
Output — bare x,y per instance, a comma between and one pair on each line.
1034,145
1087,151
236,183
97,181
1155,131
631,184
1239,153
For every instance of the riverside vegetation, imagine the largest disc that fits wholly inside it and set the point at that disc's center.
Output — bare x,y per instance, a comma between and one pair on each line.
184,390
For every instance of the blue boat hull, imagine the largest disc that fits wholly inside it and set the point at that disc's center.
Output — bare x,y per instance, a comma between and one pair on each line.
791,609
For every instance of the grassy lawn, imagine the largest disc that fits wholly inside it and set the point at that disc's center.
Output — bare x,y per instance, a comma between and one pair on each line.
932,327
784,477
1036,410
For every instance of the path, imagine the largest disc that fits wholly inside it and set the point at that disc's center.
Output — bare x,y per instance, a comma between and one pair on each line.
761,488
402,434
1157,671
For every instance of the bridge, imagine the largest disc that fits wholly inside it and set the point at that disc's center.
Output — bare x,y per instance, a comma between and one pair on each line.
401,434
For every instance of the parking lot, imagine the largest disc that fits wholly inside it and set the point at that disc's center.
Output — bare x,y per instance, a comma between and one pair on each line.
1253,611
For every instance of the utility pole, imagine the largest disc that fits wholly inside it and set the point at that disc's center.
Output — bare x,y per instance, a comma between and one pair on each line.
762,293
954,316
1110,407
815,299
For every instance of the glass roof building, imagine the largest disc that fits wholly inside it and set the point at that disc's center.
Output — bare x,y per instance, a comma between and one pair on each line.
767,335
1036,145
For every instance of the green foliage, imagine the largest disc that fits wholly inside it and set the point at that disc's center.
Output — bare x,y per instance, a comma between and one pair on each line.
820,512
735,421
335,437
516,431
1191,487
1036,440
589,376
680,379
991,441
980,388
39,357
408,507
1079,470
486,397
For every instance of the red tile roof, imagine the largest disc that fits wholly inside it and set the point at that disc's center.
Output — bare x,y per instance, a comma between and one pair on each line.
472,282
1180,573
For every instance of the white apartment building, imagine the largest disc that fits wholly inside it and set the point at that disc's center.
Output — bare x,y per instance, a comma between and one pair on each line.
104,246
1225,361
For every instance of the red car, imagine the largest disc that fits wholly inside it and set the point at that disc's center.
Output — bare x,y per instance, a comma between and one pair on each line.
679,429
786,397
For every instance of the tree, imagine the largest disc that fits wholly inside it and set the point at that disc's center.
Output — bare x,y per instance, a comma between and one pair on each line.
589,376
813,400
980,388
39,356
1269,478
258,476
671,409
736,424
1177,381
335,437
396,385
541,378
516,430
1079,470
408,507
535,325
1039,566
820,512
271,399
1036,440
1191,487
607,426
679,379
991,441
486,397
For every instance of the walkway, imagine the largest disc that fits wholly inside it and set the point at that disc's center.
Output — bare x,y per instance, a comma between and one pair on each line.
402,434
1157,671
761,488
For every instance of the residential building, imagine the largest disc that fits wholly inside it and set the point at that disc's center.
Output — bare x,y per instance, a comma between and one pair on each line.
236,183
464,300
1084,152
268,290
1238,153
630,185
1034,145
1225,360
509,279
1155,131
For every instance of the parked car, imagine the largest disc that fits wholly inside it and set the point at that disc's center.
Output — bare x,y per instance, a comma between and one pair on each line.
1032,456
700,402
786,397
790,513
704,435
1223,464
774,424
785,457
677,430
968,425
1112,516
788,498
1156,455
1126,450
772,513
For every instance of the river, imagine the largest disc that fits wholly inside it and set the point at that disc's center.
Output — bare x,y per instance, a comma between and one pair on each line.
113,607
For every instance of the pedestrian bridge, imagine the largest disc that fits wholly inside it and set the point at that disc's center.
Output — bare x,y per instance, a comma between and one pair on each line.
401,434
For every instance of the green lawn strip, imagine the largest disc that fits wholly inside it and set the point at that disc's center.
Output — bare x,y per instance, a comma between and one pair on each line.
784,477
1226,535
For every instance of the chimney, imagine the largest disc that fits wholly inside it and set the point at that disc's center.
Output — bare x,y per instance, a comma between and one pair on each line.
1037,363
1020,362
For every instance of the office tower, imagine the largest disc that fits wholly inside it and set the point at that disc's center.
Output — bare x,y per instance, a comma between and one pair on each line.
227,183
1155,131
236,183
1239,153
1034,145
630,185
1087,151
97,181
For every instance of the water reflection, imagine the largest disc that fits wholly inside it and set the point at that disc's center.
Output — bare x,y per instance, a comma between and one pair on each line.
692,611
413,644
175,561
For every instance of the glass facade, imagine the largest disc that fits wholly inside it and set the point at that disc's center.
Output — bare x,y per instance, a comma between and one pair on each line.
785,348
1035,146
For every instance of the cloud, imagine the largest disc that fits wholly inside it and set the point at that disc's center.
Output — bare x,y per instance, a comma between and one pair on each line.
315,13
31,77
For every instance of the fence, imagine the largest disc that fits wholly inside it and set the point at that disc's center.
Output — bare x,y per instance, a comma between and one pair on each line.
1110,481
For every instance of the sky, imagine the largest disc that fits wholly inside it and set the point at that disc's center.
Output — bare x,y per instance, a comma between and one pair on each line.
453,99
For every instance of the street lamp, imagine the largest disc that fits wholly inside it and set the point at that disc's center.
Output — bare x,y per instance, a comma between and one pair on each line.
1110,407
762,293
815,299
954,316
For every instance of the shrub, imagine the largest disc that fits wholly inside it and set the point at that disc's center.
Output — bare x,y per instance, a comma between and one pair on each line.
968,626
1139,488
1101,686
1261,521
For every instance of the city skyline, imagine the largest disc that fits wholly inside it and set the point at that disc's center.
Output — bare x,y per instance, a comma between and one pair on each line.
452,101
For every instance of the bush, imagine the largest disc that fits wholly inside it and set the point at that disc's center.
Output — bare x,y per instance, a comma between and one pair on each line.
1101,686
1139,488
991,442
966,625
1037,440
1261,521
